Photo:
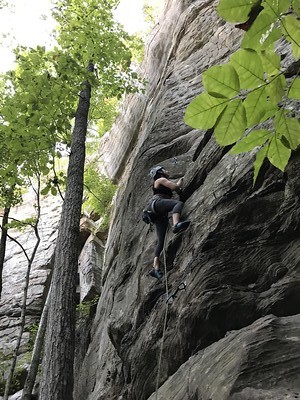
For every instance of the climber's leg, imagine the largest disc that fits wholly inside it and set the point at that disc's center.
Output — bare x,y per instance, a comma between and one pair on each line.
161,226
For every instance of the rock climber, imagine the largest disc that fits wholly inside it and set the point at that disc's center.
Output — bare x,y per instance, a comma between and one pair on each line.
161,204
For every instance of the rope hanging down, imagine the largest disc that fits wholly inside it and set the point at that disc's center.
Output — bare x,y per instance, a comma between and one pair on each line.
170,299
165,323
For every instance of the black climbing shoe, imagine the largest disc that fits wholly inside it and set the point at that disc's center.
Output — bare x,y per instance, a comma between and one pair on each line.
156,273
181,226
152,272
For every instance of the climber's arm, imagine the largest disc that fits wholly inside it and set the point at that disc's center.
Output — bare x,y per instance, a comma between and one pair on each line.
171,185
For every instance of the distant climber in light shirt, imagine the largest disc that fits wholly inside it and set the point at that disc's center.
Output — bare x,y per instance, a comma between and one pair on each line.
161,204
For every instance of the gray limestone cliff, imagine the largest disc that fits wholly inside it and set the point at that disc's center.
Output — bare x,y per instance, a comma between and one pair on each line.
234,333
15,270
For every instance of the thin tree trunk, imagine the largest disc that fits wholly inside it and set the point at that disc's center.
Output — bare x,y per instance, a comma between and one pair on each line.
36,352
57,368
3,243
23,309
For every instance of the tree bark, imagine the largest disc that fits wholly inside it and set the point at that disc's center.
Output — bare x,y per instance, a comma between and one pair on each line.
3,243
57,367
36,353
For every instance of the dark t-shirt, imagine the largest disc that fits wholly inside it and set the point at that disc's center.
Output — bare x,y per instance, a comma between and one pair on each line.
162,190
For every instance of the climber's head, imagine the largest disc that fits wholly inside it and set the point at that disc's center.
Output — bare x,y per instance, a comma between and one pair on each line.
158,172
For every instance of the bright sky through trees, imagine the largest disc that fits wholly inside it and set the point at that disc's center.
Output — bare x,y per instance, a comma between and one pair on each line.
29,23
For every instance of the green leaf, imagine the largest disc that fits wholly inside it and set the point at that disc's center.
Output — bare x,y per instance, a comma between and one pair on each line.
235,10
288,127
53,190
11,180
232,123
290,27
252,140
260,156
222,80
276,89
296,6
294,91
262,33
278,154
270,61
276,7
203,111
45,170
45,191
258,107
254,106
248,65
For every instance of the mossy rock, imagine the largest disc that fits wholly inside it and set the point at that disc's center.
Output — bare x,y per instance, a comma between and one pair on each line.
20,374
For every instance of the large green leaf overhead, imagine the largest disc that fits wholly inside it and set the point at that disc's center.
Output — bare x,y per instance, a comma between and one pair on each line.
236,10
270,61
290,27
249,67
222,80
204,110
254,106
287,127
276,7
296,5
262,33
278,154
275,89
252,87
294,92
231,124
260,156
252,140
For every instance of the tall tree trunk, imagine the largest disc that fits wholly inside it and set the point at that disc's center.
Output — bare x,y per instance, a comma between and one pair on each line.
3,243
36,353
57,367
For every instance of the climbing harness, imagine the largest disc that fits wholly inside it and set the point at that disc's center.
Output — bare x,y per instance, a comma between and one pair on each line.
149,215
181,286
152,206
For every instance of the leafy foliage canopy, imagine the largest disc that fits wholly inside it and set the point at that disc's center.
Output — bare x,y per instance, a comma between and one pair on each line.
251,89
39,98
98,193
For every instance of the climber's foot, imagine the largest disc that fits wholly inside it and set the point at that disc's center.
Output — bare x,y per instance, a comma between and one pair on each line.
181,226
156,273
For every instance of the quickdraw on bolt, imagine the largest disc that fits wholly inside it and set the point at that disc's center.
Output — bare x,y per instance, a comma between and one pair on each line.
172,296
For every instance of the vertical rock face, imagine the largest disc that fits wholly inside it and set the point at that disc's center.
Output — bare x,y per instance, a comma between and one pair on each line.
234,332
14,272
15,267
90,261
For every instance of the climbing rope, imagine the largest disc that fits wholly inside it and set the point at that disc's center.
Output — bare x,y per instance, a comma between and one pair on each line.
165,322
170,298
